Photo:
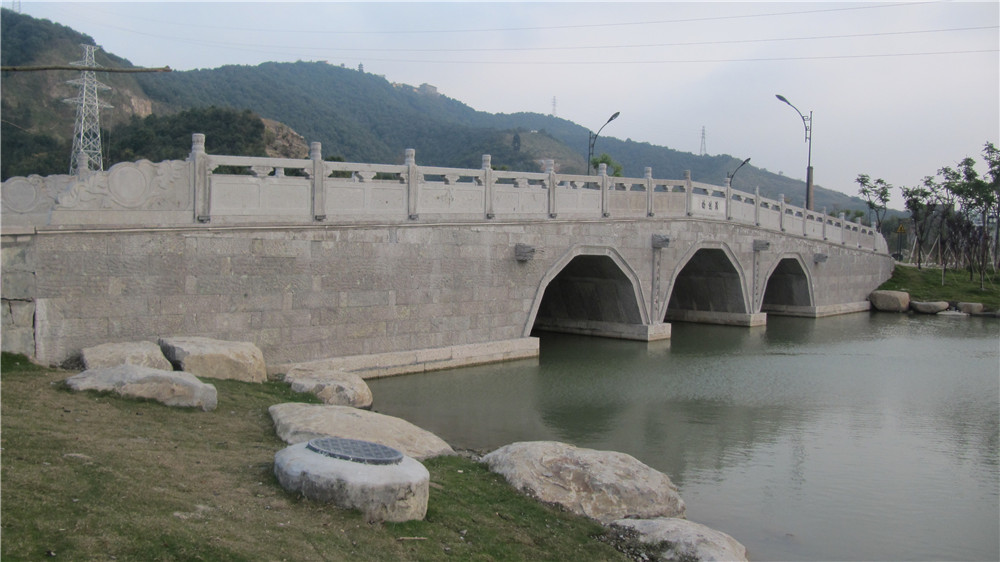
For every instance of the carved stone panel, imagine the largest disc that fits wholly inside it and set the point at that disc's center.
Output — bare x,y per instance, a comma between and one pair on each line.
140,185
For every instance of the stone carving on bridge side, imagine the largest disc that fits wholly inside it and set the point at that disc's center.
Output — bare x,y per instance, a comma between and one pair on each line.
524,252
32,194
264,171
131,186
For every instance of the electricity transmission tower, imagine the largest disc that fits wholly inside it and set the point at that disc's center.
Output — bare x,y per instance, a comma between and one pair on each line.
703,150
86,154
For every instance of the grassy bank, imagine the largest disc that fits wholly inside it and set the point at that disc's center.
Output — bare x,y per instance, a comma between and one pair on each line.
925,285
90,476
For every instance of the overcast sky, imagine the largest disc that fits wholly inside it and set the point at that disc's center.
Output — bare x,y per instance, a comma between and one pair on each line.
896,90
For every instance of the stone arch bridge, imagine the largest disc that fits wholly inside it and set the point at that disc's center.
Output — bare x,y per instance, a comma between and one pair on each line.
389,268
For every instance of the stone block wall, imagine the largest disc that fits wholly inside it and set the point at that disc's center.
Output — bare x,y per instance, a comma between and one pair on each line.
319,291
297,294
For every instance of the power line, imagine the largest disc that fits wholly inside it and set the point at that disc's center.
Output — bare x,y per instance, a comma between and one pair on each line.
298,48
635,46
691,61
80,68
297,31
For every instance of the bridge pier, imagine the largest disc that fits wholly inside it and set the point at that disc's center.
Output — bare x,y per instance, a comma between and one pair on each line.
816,311
616,330
723,318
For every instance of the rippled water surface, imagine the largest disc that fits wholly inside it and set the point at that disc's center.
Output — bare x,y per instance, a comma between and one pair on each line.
859,437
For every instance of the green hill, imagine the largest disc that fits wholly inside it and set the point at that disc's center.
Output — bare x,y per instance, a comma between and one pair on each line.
355,115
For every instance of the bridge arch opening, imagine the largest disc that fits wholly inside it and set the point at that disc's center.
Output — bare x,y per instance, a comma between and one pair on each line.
787,286
709,289
592,294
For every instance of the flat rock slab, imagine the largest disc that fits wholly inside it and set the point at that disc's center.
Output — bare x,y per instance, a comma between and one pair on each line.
393,492
216,359
173,388
335,387
141,353
602,485
890,301
295,422
931,307
686,541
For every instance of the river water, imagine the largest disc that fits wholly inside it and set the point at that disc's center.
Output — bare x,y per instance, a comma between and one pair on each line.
857,437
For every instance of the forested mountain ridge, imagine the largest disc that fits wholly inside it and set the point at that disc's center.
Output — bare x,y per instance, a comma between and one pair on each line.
357,116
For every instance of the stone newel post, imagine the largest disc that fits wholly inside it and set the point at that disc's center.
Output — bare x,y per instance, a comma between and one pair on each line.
488,185
688,188
412,183
318,175
602,172
781,211
550,169
648,174
200,179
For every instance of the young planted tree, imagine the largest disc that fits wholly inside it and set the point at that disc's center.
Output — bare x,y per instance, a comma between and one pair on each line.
614,167
992,156
967,202
876,195
916,200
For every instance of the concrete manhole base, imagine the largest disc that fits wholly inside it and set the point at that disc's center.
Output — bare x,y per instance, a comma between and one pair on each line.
382,492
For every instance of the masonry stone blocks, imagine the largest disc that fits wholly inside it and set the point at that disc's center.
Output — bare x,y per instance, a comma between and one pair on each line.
441,270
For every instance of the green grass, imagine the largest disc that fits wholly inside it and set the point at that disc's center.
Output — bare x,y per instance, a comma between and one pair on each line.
95,476
925,285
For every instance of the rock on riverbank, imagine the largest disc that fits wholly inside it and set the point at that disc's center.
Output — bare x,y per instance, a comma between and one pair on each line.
602,485
683,541
173,388
899,301
295,422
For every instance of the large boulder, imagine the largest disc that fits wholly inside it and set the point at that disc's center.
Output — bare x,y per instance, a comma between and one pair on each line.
334,387
173,388
930,307
387,492
295,422
216,359
685,541
141,353
602,485
890,301
970,307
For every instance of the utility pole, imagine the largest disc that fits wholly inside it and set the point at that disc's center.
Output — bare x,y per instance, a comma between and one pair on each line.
86,154
703,150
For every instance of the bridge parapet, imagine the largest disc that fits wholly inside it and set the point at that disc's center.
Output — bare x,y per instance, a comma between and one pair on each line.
209,189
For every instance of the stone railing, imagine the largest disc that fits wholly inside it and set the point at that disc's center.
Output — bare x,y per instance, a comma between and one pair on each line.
202,190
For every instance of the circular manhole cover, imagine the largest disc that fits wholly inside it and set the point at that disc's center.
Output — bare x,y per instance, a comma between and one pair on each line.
354,450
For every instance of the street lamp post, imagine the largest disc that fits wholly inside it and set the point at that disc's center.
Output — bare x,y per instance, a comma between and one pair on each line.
807,123
593,139
732,175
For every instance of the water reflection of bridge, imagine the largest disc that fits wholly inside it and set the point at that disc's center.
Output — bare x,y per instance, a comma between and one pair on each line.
312,259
